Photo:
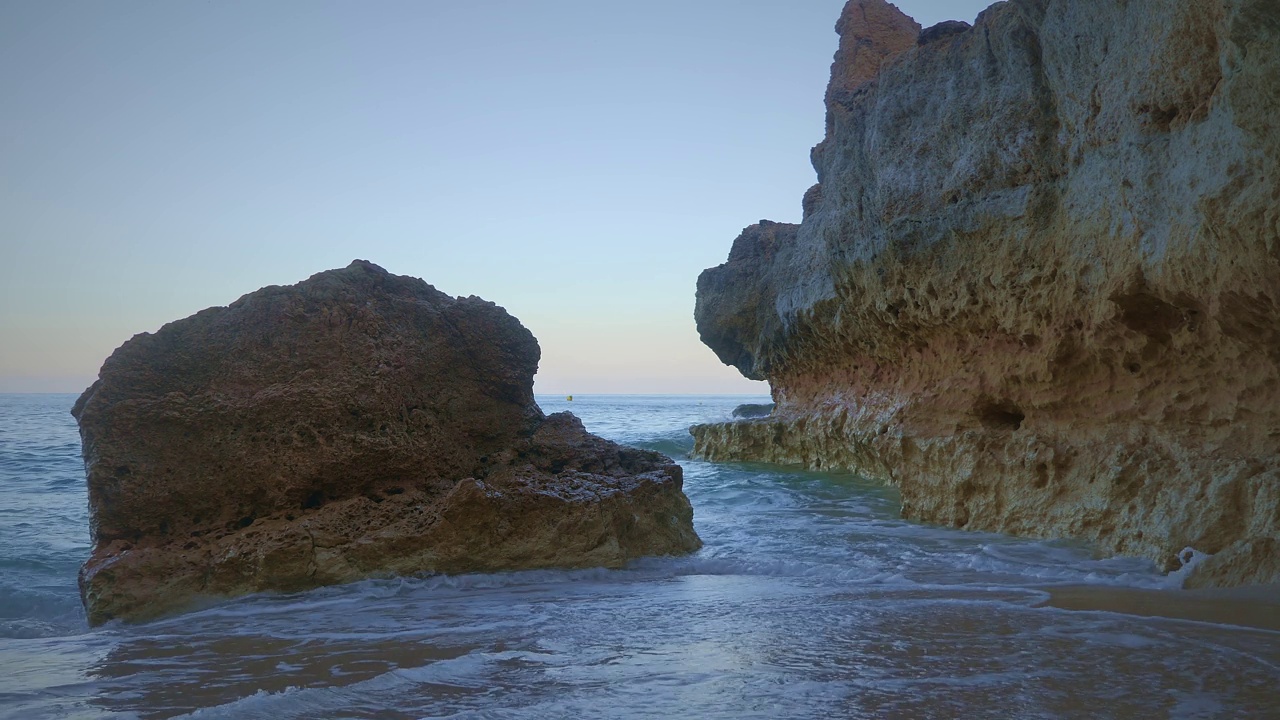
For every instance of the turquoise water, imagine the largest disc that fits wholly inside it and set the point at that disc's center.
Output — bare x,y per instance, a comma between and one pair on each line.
811,599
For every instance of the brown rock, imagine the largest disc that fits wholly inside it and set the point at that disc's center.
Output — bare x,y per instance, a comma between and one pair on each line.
872,33
1039,289
356,424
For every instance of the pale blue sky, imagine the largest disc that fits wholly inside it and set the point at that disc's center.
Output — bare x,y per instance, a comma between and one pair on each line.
578,162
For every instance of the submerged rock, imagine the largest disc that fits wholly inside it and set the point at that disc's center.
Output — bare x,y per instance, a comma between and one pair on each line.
356,424
1038,284
753,410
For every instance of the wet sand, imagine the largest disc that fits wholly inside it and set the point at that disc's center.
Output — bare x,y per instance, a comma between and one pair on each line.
1257,606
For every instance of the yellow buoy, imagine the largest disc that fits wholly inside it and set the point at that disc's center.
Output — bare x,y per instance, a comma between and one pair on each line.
570,398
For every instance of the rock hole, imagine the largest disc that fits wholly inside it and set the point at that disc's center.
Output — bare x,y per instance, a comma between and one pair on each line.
394,491
245,521
314,500
999,414
123,470
1161,119
1147,314
1042,475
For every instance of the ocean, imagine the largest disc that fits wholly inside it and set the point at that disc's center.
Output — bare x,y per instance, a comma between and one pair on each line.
812,598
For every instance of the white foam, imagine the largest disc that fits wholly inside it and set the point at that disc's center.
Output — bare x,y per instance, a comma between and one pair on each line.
1190,558
471,672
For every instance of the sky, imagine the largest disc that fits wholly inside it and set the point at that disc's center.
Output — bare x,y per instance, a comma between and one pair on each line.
578,162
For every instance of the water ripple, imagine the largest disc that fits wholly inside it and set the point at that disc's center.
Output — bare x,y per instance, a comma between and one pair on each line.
811,598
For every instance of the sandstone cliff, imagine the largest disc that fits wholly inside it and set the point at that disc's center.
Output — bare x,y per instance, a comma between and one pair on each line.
353,425
1038,283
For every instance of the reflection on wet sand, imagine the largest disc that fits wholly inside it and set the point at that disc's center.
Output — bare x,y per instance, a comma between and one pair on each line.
693,645
162,676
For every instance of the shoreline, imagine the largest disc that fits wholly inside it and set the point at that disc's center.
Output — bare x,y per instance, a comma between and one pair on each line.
1256,606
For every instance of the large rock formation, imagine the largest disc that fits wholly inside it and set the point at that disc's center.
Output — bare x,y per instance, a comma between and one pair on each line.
353,425
1038,283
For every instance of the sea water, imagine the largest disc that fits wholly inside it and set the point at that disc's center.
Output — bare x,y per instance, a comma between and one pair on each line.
812,598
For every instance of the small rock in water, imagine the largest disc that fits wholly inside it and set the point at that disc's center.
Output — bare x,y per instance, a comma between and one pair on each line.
753,410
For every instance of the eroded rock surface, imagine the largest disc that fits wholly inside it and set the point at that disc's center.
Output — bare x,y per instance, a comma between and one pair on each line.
356,424
1038,284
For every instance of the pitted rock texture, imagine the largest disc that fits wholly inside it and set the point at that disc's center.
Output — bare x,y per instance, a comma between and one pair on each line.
1038,284
356,424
